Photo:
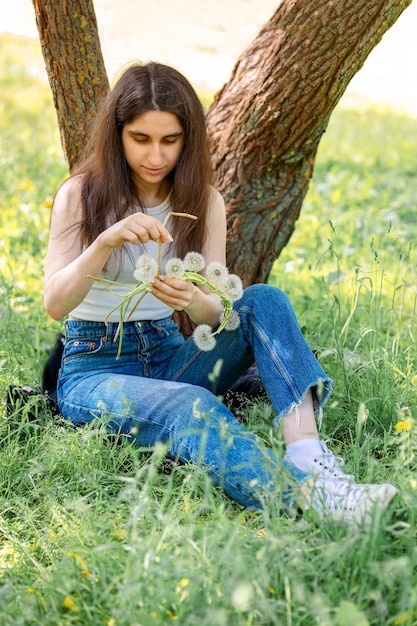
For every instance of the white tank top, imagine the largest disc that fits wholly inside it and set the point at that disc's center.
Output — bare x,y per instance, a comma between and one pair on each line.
99,301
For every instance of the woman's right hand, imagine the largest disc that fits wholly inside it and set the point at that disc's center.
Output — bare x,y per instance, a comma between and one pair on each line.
134,229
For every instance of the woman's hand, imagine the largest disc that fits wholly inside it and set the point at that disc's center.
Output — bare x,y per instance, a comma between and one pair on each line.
136,228
174,292
202,307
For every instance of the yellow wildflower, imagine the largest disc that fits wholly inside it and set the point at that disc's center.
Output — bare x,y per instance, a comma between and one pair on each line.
81,562
404,424
119,533
70,604
31,591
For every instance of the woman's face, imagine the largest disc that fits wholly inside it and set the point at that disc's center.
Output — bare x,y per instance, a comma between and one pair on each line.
152,145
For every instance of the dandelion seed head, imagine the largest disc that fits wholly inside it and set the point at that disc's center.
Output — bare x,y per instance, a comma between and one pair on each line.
242,597
234,287
203,337
233,322
137,274
174,268
194,262
217,273
146,268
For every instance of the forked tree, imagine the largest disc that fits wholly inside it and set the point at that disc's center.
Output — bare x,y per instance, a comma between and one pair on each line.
266,122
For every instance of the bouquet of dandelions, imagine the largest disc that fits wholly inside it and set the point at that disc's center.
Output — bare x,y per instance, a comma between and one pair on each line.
217,279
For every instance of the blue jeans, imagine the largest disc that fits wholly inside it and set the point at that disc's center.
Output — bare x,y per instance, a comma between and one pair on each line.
163,389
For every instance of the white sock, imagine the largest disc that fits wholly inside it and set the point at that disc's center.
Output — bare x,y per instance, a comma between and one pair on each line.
298,451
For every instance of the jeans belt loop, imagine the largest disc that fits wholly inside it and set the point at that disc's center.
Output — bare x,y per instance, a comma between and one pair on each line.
108,332
140,323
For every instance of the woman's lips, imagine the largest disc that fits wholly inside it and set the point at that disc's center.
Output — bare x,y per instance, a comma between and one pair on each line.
154,171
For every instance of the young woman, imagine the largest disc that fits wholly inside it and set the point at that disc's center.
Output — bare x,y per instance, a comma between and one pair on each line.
147,156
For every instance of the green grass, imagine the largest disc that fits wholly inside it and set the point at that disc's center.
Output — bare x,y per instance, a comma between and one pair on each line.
95,532
350,267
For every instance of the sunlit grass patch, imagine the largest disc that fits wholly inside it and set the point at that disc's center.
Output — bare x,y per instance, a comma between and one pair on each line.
96,532
350,268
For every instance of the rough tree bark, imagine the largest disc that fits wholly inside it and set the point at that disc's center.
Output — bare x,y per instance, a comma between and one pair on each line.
74,62
265,124
267,121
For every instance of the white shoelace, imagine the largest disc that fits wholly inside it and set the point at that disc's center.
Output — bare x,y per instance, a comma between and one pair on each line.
331,463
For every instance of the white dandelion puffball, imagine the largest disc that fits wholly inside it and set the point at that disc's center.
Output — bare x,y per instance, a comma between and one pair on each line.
174,268
242,597
234,287
194,262
233,322
146,269
217,273
203,337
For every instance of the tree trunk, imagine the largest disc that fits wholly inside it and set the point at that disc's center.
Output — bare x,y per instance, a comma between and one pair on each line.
75,66
266,123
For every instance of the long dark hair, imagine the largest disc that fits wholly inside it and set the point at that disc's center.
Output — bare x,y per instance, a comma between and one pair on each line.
108,191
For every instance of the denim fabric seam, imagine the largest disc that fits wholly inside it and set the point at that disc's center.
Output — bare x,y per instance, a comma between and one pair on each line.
186,366
263,338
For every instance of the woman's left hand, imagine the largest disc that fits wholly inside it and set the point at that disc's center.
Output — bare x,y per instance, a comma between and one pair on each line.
174,292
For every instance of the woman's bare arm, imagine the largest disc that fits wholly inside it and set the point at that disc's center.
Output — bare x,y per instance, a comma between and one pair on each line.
67,264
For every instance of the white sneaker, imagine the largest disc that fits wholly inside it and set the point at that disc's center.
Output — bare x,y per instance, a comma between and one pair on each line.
325,465
347,503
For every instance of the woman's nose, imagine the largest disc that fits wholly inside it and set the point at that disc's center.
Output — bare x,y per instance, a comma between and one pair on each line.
155,153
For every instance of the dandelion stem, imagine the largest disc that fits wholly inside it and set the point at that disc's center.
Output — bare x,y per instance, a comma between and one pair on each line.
133,309
160,243
227,303
105,282
141,288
